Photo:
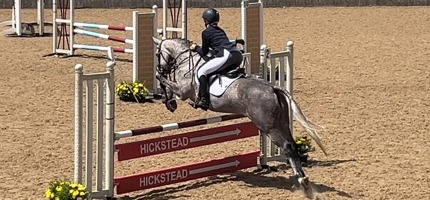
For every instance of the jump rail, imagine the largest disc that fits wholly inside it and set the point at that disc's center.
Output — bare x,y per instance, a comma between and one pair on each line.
172,126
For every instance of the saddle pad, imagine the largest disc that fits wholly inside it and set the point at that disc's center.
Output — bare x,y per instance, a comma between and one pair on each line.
217,88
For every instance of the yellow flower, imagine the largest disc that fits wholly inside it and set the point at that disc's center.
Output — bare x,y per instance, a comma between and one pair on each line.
299,142
58,188
81,188
52,195
140,85
75,194
73,185
57,198
48,193
82,194
71,191
135,90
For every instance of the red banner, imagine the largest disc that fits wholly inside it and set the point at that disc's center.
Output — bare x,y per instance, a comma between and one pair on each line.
187,140
184,173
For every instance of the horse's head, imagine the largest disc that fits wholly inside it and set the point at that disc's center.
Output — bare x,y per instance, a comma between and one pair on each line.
169,53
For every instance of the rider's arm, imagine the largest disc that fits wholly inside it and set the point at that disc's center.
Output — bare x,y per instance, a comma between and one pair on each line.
204,50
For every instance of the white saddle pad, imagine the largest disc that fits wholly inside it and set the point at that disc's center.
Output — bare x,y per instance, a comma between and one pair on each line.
217,88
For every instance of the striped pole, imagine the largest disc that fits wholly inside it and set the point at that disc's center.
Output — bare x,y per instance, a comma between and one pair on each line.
172,126
104,36
100,48
101,26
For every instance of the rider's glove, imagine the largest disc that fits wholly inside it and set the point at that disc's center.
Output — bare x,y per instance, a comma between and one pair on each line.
193,47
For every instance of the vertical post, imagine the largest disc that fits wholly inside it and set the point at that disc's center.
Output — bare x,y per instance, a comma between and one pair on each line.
71,26
41,16
13,17
135,46
155,81
290,73
18,19
110,123
78,123
244,4
184,20
54,26
290,70
261,21
264,55
165,18
89,135
100,134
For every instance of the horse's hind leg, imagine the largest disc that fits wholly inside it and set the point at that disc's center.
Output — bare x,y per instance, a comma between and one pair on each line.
286,142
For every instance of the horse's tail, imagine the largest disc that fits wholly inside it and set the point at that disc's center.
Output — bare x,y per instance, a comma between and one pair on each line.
311,128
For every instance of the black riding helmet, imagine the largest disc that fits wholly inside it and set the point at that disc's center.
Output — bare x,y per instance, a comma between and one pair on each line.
210,16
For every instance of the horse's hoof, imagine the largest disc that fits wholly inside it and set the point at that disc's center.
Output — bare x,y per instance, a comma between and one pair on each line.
171,105
304,182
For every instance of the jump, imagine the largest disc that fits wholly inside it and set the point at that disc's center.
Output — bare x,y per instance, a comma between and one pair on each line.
231,91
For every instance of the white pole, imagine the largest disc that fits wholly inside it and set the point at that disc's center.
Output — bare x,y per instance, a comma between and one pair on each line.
17,21
261,22
72,21
54,26
184,19
290,69
13,17
89,135
110,124
290,75
135,46
155,81
244,4
78,123
165,18
41,16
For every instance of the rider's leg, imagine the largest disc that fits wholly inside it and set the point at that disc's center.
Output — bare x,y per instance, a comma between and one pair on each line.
202,75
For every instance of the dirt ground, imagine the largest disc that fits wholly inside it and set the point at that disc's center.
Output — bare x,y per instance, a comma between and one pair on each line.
363,73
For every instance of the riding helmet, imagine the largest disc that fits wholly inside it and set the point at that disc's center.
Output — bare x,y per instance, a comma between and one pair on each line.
210,16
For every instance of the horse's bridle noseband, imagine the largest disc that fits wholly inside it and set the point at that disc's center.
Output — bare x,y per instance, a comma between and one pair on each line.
173,63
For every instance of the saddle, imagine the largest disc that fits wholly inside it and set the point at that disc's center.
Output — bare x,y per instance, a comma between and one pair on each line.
220,81
231,72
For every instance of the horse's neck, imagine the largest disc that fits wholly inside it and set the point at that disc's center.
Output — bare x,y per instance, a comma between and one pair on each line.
190,67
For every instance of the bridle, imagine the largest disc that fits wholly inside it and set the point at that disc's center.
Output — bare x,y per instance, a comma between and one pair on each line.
173,65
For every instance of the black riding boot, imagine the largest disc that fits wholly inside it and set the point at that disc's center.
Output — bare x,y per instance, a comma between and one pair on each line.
204,96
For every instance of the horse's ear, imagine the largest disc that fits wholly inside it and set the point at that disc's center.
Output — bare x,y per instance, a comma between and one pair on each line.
156,41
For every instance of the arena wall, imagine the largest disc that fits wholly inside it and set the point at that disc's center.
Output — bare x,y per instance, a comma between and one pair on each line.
226,3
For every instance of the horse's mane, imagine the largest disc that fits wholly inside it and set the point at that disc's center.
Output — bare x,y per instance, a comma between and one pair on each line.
183,42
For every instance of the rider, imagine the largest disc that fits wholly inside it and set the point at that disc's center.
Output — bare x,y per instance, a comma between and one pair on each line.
225,54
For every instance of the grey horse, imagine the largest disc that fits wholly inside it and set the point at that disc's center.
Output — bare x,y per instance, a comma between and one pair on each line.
264,104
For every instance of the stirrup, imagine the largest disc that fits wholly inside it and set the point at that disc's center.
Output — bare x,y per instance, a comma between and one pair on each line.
202,105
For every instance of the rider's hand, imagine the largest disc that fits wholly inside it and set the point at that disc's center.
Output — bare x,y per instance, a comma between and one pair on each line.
193,47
